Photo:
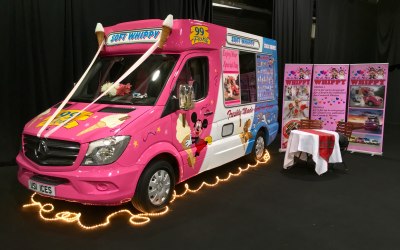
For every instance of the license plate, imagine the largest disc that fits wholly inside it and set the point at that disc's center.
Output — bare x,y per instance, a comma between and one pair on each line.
42,188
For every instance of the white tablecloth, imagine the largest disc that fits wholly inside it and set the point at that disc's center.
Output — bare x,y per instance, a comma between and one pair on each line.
300,141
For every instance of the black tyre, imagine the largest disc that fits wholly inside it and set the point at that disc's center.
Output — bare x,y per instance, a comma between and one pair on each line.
155,187
258,151
370,103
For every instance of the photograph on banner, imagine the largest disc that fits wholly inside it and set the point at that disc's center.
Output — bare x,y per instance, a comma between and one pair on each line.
365,142
329,94
297,109
367,96
367,120
296,98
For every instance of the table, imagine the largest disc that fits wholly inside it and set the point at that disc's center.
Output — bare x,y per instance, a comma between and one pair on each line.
303,141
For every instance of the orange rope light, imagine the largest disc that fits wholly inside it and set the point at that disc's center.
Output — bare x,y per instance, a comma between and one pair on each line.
134,219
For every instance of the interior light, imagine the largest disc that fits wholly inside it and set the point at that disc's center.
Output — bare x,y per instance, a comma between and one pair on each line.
226,6
155,75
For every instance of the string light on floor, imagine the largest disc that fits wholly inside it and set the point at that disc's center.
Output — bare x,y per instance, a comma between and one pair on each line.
134,219
70,217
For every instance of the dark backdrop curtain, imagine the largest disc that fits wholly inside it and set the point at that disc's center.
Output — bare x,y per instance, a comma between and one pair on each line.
388,32
388,50
48,44
346,31
291,28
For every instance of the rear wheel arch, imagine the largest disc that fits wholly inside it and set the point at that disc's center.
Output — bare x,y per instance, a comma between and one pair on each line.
265,130
258,147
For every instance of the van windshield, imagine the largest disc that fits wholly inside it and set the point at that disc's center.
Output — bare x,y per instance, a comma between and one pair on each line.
142,87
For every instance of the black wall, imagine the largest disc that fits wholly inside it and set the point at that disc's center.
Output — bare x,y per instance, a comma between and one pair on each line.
244,20
347,31
47,44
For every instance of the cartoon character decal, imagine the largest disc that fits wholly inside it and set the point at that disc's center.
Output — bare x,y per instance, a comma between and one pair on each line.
199,125
342,74
372,73
246,134
334,73
190,137
380,73
301,73
183,135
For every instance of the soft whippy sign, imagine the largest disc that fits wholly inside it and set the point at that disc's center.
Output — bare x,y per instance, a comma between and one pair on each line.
133,36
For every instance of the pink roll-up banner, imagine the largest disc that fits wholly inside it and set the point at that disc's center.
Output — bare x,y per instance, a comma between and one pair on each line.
367,101
296,98
329,94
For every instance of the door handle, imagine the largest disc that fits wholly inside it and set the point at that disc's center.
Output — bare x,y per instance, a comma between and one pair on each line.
208,113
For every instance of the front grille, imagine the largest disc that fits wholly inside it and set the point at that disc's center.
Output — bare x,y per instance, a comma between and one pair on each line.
50,180
49,152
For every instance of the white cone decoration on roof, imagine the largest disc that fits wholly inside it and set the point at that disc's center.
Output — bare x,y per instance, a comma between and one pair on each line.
99,33
166,30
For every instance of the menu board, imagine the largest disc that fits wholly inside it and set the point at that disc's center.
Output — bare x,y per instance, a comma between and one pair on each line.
265,77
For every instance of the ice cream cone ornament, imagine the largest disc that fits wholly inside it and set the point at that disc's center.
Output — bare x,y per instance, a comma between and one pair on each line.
99,33
166,30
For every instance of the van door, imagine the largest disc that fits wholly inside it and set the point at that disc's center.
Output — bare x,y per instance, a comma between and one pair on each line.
193,126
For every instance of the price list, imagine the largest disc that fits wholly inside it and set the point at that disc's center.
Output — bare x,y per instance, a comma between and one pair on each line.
265,77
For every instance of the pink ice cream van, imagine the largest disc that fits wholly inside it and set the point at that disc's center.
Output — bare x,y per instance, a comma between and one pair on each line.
156,106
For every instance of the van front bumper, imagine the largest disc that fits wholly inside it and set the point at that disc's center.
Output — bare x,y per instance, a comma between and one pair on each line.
111,184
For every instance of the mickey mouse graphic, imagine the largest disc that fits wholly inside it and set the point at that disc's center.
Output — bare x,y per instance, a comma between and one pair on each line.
199,125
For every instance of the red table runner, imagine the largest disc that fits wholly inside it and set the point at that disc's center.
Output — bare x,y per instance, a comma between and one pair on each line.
326,142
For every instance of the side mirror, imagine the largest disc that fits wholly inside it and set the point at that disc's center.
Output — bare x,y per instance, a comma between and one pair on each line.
186,97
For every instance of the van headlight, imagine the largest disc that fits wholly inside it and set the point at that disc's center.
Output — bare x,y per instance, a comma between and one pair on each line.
105,151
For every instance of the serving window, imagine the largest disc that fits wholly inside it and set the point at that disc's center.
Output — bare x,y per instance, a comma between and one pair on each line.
247,77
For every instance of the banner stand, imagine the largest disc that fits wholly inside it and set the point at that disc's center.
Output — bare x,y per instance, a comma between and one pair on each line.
366,106
296,98
329,94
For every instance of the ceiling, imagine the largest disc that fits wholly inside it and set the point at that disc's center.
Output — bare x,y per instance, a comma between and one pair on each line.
264,6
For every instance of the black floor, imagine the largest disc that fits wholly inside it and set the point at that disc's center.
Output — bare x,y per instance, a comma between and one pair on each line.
264,208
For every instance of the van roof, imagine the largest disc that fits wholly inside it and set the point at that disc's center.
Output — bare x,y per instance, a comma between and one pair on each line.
138,36
187,34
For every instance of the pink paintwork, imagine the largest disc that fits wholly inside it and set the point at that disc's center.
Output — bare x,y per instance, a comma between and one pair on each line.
150,135
154,129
